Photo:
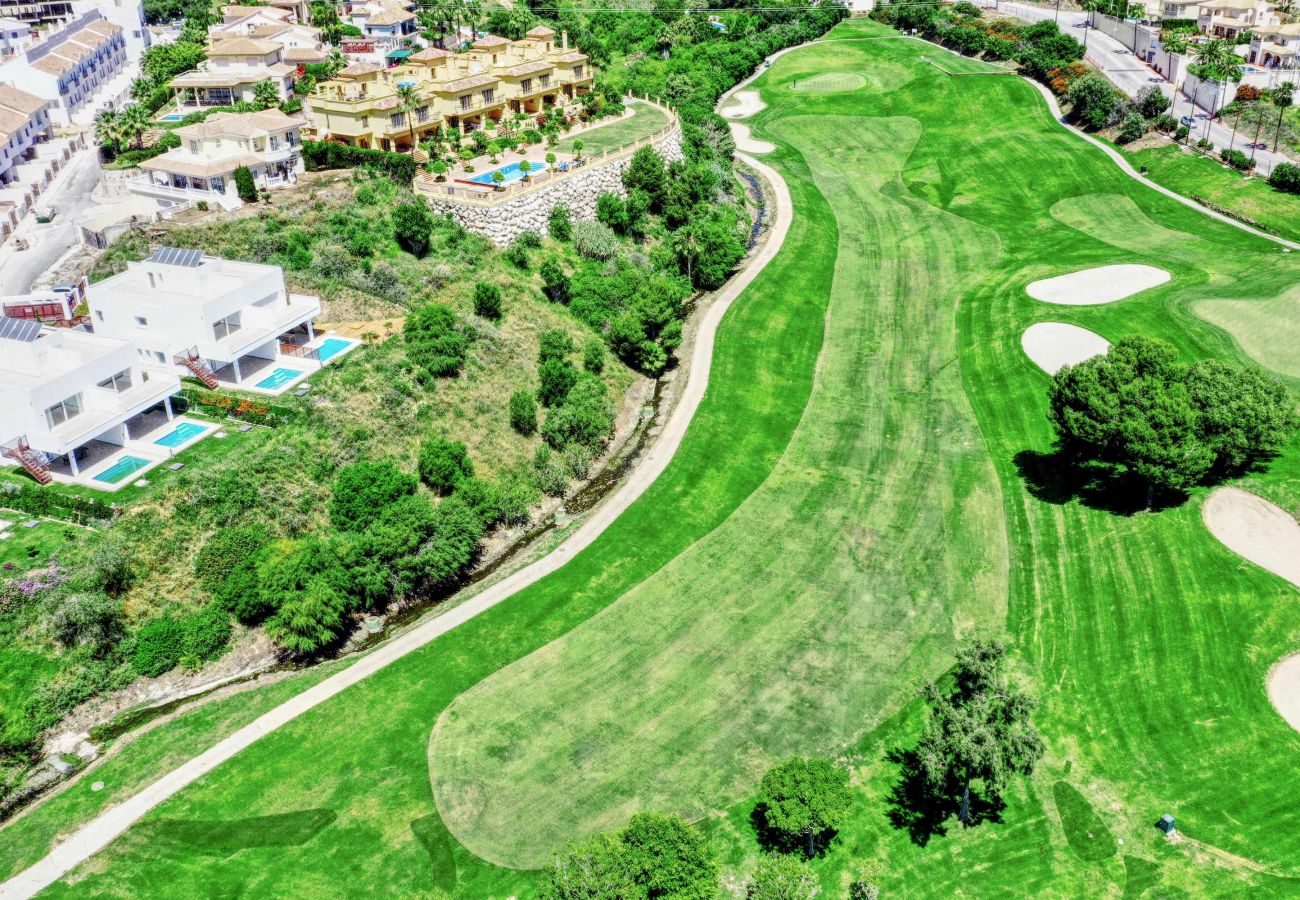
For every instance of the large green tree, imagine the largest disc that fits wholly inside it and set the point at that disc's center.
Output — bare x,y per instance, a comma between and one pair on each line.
655,857
980,729
805,801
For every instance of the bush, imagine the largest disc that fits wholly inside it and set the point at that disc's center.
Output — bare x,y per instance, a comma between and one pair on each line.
611,211
593,356
412,226
1150,102
555,282
1285,177
435,339
556,378
594,240
244,184
560,223
158,646
529,240
1237,159
1131,128
225,550
487,300
1094,101
317,155
1247,94
1181,133
523,412
585,417
362,491
91,619
205,635
517,254
444,464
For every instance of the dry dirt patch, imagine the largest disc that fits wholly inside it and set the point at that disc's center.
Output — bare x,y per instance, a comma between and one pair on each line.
1103,284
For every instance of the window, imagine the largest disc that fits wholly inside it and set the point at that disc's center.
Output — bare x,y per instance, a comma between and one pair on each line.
398,120
544,81
99,314
141,321
365,121
159,356
194,147
119,382
422,114
226,327
488,95
465,101
526,86
577,71
61,412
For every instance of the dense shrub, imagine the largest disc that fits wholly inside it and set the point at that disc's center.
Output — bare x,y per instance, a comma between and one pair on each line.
225,550
363,489
317,155
516,253
91,619
487,300
593,357
585,416
436,340
523,412
1094,101
412,225
205,635
1285,177
244,184
158,645
1131,128
444,464
594,240
560,223
555,281
1237,159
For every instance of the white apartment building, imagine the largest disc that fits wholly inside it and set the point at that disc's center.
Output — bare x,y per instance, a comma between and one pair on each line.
218,319
126,14
73,404
24,123
14,35
233,68
71,69
203,166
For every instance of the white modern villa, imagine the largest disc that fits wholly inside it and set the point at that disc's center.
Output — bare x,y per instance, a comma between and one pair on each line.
203,166
84,408
220,320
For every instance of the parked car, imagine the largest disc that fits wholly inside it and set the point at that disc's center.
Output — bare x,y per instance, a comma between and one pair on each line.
1187,121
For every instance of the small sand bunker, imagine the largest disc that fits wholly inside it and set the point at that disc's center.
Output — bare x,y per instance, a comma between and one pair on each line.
1054,345
1104,284
1255,529
829,83
742,105
747,144
1284,689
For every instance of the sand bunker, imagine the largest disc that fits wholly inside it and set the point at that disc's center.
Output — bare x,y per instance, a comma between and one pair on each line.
1054,345
829,83
1253,528
1284,689
742,105
1104,284
747,144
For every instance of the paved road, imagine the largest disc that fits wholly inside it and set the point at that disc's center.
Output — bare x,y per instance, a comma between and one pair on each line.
1131,74
70,196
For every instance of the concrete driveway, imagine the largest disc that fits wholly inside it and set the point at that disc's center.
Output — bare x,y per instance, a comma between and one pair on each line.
70,195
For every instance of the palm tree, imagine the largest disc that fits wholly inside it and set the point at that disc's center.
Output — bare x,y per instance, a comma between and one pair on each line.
265,94
135,122
408,101
108,130
1281,98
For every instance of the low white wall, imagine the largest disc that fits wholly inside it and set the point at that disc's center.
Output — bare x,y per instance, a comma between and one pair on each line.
505,221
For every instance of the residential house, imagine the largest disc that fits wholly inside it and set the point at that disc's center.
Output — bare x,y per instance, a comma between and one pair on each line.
40,14
1275,46
203,166
71,401
234,67
14,35
58,305
494,78
24,123
387,23
74,69
1229,18
220,320
255,15
300,10
1181,9
301,44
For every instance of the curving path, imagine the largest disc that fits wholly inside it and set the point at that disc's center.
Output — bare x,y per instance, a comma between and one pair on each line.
108,825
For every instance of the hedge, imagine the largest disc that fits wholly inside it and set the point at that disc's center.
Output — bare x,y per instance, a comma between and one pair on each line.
48,501
224,406
317,155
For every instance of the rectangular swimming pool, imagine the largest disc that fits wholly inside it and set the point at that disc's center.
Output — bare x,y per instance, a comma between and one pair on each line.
186,431
278,378
123,468
171,117
332,348
512,173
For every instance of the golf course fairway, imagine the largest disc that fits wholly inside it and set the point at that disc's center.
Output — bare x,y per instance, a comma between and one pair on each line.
868,479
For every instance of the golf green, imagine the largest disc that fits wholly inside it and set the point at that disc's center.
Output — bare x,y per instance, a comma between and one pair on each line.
868,479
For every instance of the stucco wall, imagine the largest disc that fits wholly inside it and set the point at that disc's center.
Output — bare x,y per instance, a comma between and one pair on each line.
505,221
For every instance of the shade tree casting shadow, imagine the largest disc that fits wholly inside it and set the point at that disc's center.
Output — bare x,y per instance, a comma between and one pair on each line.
925,810
1059,478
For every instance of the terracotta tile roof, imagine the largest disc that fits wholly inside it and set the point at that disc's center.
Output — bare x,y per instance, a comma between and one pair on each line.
10,122
176,161
390,15
20,101
107,29
466,84
571,57
430,53
54,64
239,124
305,54
529,68
541,31
242,47
361,68
488,41
243,12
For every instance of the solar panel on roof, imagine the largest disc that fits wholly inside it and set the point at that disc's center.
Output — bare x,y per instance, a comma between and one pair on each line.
174,256
24,330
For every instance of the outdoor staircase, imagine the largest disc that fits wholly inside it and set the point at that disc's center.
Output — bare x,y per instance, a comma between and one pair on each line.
151,137
31,460
420,156
191,360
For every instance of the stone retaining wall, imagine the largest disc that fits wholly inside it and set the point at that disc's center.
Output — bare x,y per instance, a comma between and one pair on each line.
503,222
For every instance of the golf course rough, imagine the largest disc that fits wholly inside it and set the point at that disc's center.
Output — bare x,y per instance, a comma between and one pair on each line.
1146,641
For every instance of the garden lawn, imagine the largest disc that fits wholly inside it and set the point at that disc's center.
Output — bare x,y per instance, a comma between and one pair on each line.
869,405
1194,175
645,121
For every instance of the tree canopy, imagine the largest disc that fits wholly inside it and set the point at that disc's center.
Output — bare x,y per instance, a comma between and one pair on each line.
805,801
655,857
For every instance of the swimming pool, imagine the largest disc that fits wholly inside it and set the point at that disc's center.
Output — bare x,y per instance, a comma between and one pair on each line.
511,172
332,348
183,432
171,117
123,468
278,378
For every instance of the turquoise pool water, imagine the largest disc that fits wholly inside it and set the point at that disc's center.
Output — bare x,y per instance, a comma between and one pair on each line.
511,172
123,468
278,378
171,117
180,434
332,348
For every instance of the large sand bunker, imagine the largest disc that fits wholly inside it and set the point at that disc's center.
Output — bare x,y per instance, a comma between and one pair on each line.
745,143
1284,689
1054,345
742,105
1104,284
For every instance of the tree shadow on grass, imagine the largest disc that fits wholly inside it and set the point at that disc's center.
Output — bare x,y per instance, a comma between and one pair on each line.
773,841
226,837
1060,478
924,810
436,841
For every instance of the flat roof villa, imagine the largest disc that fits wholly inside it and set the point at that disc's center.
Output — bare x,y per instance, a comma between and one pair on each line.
223,321
84,408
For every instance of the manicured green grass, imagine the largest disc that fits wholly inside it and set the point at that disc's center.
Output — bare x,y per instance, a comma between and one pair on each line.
921,214
645,121
1192,174
1267,330
28,548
